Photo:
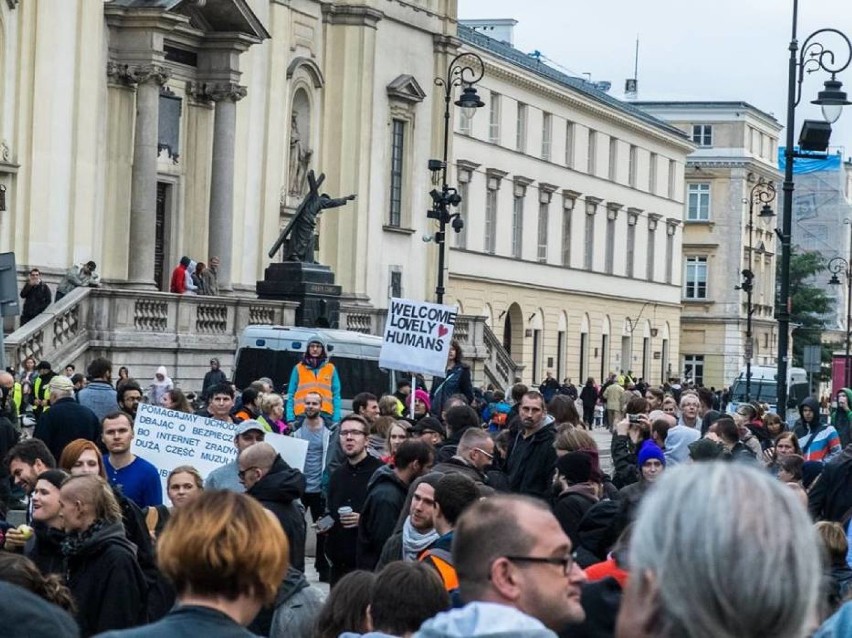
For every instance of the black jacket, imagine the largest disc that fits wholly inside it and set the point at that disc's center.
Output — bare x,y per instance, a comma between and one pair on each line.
530,462
106,582
385,499
25,614
447,449
571,506
8,438
457,381
65,421
830,497
36,299
277,491
212,378
624,463
347,487
45,549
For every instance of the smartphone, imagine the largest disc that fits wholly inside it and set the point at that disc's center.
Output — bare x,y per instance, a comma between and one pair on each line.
324,524
634,418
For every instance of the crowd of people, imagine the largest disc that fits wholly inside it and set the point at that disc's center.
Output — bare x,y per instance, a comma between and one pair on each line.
438,513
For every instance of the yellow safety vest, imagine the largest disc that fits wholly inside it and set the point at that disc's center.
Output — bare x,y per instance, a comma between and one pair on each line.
319,381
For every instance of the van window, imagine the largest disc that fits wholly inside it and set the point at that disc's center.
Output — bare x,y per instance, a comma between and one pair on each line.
356,375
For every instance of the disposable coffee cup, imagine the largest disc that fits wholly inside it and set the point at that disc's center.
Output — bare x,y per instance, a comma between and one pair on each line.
344,511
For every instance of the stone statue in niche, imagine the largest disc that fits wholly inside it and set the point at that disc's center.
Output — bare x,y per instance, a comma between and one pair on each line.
300,158
298,236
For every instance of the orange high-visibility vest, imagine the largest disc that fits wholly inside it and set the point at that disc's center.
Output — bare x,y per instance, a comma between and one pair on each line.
318,381
443,562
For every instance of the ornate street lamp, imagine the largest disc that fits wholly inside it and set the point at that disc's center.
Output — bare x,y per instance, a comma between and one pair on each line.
465,70
761,193
836,266
814,56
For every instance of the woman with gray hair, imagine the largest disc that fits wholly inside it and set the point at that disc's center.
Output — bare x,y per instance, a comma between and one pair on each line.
708,558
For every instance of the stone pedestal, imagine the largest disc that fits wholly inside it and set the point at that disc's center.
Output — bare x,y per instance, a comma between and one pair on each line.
311,285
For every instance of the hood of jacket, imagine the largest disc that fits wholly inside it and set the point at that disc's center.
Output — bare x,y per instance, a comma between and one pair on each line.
848,394
483,620
813,404
586,490
104,534
677,443
282,484
385,474
166,380
294,582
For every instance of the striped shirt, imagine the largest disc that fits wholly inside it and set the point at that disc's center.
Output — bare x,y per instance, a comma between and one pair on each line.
821,446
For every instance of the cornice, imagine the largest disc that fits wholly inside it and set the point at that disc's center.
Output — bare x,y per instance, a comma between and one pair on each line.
541,86
351,15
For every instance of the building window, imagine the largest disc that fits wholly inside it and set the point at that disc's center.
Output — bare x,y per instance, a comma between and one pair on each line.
695,278
652,174
395,288
630,253
560,354
584,355
491,220
693,369
670,231
546,132
518,221
543,220
521,136
672,178
567,211
609,260
569,144
494,118
589,257
593,152
702,134
613,159
631,167
698,202
650,252
396,176
464,181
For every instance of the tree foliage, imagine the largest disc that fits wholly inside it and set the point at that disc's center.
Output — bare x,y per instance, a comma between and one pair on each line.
810,302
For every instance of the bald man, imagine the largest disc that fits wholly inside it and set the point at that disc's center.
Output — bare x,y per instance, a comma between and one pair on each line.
278,487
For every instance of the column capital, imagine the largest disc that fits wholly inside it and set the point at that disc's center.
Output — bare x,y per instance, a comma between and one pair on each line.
133,74
219,91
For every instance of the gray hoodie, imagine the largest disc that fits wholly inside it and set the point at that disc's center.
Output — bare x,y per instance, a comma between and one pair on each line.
677,444
483,620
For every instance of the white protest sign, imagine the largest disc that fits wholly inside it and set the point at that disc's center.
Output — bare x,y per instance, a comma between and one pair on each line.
169,439
417,336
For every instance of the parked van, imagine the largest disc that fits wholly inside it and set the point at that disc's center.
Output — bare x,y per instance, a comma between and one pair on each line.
273,351
764,390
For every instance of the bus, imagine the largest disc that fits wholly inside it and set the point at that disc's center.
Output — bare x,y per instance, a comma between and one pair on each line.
273,351
764,389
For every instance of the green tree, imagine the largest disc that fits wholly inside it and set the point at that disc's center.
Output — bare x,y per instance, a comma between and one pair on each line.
810,302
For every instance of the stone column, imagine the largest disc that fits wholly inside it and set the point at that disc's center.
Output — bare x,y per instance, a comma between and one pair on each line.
143,193
221,218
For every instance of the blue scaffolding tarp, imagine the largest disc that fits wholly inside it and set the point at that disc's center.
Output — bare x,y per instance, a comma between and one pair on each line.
807,165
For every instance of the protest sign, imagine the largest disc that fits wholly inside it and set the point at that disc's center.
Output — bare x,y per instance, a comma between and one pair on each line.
417,336
169,439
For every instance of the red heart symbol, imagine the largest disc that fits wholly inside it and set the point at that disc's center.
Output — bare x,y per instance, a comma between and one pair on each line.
442,330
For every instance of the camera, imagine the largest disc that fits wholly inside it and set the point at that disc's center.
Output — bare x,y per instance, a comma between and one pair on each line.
634,418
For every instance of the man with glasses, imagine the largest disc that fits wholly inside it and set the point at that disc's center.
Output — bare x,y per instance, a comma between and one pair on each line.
227,477
347,491
36,295
473,456
515,569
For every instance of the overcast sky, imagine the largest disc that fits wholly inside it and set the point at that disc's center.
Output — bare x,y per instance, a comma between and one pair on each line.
718,50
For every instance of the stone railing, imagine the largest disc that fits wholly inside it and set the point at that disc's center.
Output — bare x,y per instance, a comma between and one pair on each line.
143,329
500,369
366,320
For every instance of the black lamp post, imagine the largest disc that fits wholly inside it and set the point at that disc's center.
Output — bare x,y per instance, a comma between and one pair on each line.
813,56
466,70
836,266
761,193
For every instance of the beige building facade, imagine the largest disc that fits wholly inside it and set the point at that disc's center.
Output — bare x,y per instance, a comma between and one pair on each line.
137,132
736,149
573,204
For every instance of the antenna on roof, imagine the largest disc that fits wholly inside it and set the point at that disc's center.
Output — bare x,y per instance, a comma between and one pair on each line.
631,85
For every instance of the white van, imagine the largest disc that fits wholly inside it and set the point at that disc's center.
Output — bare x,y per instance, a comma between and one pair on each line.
764,389
273,351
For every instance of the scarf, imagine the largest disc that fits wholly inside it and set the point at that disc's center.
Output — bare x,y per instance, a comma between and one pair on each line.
73,543
413,542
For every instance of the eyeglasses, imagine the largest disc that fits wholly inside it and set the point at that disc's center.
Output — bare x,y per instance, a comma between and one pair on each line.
347,433
567,562
481,451
242,473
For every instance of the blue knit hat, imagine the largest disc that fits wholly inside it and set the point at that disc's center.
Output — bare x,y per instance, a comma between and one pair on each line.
650,450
